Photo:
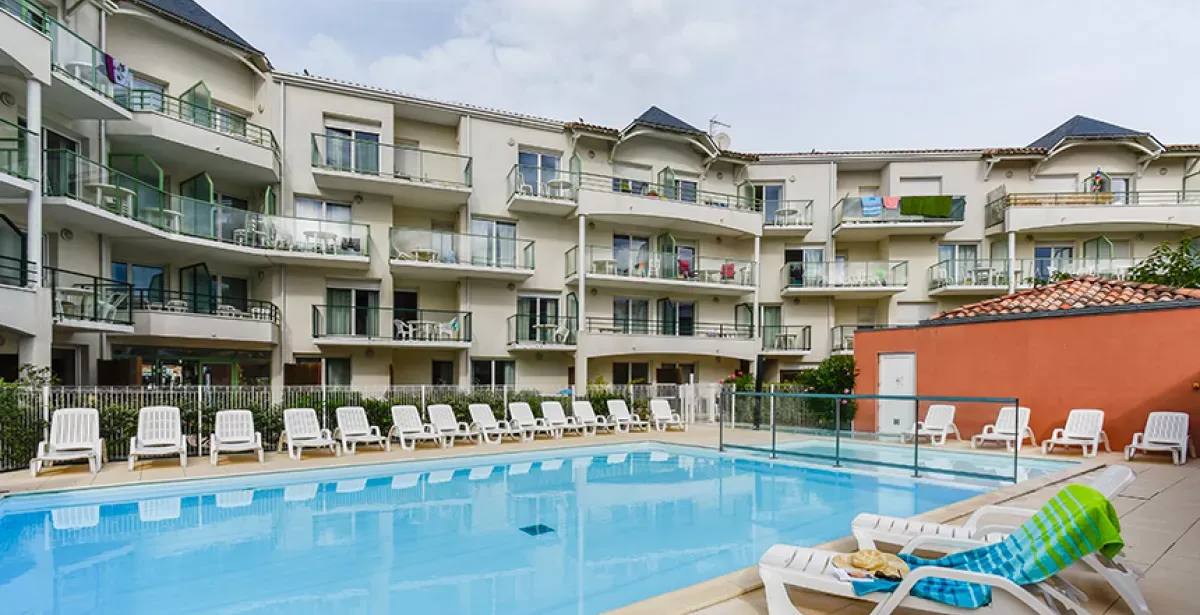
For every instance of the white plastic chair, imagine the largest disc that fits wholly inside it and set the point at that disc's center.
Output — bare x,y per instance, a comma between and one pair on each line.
522,419
301,430
586,415
441,417
663,417
354,429
485,425
408,428
938,423
74,434
1011,427
556,417
1164,432
1084,428
234,433
619,415
159,434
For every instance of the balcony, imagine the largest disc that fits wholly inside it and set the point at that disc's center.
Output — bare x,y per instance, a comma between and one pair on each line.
385,326
665,271
910,215
669,206
89,303
786,340
542,190
80,87
411,177
167,315
114,203
1037,271
25,30
622,336
14,161
1087,212
968,277
191,135
865,279
841,337
790,219
445,255
539,332
19,298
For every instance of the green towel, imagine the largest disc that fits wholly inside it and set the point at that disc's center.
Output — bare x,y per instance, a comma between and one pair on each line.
928,206
1078,521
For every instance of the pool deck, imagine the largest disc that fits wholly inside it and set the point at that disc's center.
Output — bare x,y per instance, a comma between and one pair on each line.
1160,514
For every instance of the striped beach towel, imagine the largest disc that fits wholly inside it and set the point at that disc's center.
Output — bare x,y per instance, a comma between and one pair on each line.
1078,521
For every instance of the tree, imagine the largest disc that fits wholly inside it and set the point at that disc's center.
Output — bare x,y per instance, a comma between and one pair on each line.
1170,265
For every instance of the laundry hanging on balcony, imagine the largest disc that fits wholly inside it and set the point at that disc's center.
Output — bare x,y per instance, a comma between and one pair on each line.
117,72
872,207
891,202
928,206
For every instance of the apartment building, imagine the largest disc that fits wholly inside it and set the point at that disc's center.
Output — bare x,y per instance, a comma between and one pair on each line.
203,218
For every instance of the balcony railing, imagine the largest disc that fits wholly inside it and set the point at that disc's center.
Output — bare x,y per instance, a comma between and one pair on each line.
790,213
447,247
994,211
543,182
896,210
786,337
968,272
80,60
180,302
1044,270
14,147
152,101
16,270
668,328
70,175
640,264
406,325
845,274
687,193
372,158
33,15
841,337
79,296
539,330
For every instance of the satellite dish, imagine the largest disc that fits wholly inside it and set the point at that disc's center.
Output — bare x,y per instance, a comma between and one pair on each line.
722,139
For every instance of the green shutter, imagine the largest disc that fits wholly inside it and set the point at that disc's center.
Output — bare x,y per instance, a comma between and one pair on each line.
666,183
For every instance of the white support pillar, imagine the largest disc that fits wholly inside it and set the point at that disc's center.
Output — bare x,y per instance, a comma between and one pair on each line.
33,205
755,316
1012,262
581,357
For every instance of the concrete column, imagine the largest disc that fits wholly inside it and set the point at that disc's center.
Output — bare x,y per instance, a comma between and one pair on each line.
1012,262
35,349
33,205
581,356
755,316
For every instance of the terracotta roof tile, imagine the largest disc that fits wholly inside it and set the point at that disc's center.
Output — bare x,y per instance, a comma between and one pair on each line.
1073,294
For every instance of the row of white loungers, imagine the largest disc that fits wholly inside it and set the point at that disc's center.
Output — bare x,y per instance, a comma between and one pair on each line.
75,432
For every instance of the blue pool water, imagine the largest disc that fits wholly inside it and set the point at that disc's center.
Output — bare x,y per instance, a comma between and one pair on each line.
578,532
960,466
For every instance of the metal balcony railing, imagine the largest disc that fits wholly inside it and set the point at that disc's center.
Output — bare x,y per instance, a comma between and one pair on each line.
844,274
447,247
841,337
375,159
789,213
994,211
16,271
786,337
978,272
346,321
80,296
538,330
151,101
642,264
181,302
14,148
668,328
896,210
73,56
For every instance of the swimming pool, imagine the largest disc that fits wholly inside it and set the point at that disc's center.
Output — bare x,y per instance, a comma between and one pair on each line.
569,531
977,467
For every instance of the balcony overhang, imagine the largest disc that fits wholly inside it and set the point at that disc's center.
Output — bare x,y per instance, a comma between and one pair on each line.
546,206
869,231
668,214
71,212
179,143
1099,219
786,230
863,292
385,342
25,49
12,187
76,325
968,291
21,312
430,195
786,352
424,270
611,345
75,99
648,284
161,327
531,346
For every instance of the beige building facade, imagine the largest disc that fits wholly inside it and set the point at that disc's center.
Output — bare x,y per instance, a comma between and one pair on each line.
199,217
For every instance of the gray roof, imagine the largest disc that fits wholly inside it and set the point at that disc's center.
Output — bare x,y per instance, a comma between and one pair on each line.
657,118
195,15
1081,126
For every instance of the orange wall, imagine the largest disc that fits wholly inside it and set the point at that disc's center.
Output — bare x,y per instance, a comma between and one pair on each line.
1127,364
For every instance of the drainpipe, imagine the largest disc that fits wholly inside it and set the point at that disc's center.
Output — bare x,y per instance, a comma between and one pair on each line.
581,357
1012,262
103,124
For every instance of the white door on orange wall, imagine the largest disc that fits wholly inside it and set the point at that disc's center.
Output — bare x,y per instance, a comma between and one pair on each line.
897,376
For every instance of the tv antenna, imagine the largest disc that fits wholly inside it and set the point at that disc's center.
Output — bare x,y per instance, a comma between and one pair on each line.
713,123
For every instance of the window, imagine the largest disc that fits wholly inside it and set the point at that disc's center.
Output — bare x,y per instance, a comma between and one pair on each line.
770,196
1120,187
957,260
685,189
632,179
537,320
676,317
232,291
316,209
144,95
493,372
493,243
230,121
337,372
632,255
1049,261
536,169
443,372
351,312
147,281
806,266
352,150
233,202
919,186
674,373
631,315
631,373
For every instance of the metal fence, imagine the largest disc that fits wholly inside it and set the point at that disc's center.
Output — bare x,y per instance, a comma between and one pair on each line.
919,435
25,412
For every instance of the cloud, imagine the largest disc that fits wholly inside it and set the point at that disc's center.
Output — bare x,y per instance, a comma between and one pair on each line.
787,74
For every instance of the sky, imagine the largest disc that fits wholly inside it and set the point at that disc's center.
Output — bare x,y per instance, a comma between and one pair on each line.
785,75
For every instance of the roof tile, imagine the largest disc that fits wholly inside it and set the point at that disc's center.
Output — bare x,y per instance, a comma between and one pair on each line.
1073,294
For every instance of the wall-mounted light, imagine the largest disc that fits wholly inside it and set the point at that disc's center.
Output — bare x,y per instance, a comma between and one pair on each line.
593,292
66,234
370,353
591,226
1162,170
7,99
720,175
791,178
1008,174
591,153
358,199
716,299
511,287
511,141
